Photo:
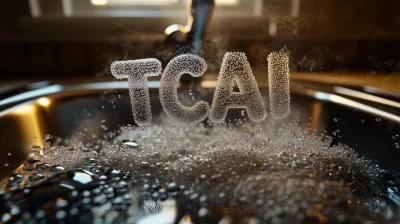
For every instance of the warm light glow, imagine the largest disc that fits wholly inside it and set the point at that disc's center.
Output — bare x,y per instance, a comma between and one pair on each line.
208,84
316,109
226,2
24,109
44,101
99,2
30,123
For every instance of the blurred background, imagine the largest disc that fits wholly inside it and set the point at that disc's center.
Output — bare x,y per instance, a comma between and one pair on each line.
75,38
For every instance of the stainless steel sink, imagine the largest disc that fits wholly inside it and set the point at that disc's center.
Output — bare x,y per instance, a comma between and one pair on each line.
80,110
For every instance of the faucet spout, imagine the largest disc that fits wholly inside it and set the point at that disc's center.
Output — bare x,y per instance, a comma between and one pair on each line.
191,35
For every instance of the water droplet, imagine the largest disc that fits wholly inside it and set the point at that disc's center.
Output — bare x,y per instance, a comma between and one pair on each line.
112,172
57,168
30,164
47,138
61,203
36,148
40,214
128,127
172,187
42,166
61,215
203,212
36,177
90,162
131,144
104,127
6,217
15,177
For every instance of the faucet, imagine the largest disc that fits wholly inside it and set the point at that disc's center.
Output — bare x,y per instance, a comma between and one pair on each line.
190,36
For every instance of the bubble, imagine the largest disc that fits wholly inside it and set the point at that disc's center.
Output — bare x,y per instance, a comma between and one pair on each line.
137,72
57,168
182,64
235,67
279,87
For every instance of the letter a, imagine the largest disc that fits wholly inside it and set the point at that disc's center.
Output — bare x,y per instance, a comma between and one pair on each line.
235,67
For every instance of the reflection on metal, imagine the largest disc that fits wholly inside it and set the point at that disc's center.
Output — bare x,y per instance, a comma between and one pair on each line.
34,7
355,105
58,88
45,102
177,27
67,7
295,10
365,96
30,124
99,2
208,84
373,90
109,85
36,85
183,29
258,7
19,169
273,27
316,109
186,220
31,94
23,110
228,2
